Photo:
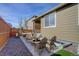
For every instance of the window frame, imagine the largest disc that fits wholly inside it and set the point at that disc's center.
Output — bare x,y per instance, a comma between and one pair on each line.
52,26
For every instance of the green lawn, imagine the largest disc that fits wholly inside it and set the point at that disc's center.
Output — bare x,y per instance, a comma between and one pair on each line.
63,53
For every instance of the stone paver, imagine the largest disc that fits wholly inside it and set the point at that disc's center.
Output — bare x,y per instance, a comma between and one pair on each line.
15,47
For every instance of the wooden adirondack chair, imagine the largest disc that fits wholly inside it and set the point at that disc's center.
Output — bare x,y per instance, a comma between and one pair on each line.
41,45
51,43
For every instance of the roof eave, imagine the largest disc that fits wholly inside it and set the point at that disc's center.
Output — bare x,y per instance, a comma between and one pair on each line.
61,5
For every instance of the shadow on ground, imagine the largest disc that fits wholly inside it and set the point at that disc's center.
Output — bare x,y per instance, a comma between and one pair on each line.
15,47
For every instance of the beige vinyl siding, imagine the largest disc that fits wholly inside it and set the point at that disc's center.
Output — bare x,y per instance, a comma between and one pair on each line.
30,24
66,25
78,13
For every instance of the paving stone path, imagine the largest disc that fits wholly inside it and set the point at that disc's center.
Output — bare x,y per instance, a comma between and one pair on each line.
15,47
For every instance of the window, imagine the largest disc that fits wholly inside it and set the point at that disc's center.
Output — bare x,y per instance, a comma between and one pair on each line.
50,20
47,21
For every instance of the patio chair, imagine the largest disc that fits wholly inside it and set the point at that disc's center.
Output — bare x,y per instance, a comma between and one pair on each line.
29,36
53,40
36,36
41,45
51,43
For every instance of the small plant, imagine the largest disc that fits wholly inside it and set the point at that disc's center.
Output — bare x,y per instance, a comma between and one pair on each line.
63,53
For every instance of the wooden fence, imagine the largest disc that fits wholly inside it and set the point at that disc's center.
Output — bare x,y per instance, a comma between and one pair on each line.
4,36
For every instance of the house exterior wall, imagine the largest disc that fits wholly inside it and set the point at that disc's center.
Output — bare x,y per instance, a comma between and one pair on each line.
67,27
30,24
37,27
78,25
4,32
78,13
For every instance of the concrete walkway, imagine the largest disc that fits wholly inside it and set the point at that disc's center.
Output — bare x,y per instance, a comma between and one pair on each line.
15,47
32,49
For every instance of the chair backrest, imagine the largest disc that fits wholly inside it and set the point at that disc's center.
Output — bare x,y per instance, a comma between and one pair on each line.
52,40
42,43
37,35
44,40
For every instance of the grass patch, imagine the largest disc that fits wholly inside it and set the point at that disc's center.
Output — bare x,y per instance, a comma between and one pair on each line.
63,53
